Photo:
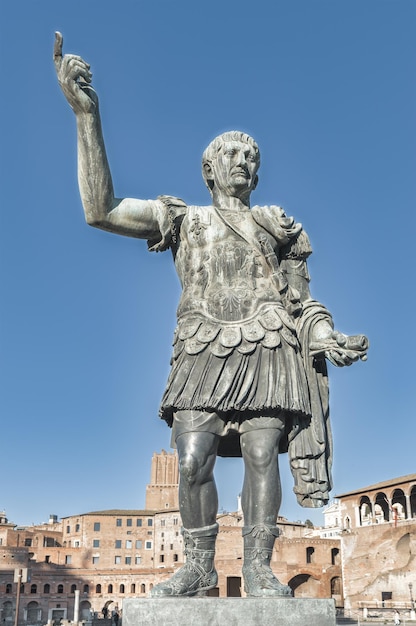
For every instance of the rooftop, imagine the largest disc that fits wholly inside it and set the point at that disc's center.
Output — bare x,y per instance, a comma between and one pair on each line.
121,512
393,482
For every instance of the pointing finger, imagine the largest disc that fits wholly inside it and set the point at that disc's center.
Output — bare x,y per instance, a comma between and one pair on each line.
57,49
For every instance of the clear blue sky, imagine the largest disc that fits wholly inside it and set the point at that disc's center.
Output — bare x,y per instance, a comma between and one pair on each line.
328,90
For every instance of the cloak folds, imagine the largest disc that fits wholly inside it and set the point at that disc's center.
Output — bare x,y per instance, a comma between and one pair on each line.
310,442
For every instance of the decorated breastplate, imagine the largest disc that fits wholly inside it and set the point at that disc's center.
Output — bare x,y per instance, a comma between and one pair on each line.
225,275
232,285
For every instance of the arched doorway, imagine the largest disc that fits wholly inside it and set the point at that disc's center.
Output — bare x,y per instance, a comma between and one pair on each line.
336,591
7,612
85,610
305,586
34,613
105,610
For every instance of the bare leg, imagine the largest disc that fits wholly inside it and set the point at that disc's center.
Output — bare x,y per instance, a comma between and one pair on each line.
261,500
198,498
261,496
198,503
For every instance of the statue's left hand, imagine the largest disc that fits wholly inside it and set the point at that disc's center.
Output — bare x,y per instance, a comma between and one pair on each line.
340,349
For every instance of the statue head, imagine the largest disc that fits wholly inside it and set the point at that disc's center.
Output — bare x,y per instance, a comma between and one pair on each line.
230,163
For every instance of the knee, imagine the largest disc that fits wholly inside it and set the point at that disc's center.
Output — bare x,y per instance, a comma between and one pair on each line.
189,467
259,454
197,453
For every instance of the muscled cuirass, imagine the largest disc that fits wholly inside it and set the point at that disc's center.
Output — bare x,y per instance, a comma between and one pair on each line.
222,265
231,283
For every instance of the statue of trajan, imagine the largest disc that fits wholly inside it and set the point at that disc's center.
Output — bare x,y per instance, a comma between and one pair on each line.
248,375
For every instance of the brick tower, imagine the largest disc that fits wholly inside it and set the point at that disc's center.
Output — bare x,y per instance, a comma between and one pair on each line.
162,491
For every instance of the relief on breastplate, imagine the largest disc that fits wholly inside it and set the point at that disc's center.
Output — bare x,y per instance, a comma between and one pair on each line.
225,280
222,275
235,279
198,226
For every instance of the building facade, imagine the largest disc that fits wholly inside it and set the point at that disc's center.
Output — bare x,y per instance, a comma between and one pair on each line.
378,545
103,557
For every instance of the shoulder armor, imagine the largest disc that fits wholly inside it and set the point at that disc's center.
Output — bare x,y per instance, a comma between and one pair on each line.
171,214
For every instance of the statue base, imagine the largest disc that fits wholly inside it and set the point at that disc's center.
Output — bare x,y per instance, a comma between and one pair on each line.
204,611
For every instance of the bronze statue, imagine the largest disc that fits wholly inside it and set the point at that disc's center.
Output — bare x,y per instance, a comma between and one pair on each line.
248,375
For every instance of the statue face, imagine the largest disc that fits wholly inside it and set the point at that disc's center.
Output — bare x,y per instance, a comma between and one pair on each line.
233,171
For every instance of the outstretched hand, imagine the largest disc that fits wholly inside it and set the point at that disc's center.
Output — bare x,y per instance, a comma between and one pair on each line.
341,349
74,77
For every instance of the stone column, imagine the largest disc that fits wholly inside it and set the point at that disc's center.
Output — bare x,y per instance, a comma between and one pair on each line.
357,516
408,507
76,607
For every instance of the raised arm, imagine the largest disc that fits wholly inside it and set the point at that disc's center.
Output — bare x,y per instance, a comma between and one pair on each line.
135,218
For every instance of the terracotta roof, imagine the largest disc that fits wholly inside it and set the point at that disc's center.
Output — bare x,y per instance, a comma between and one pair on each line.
383,485
131,512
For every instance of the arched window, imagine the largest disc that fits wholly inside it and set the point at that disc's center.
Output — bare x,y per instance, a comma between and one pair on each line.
132,588
9,588
398,504
121,588
60,589
73,588
309,554
86,589
381,508
22,588
142,588
335,556
366,512
98,588
46,588
110,588
33,588
413,501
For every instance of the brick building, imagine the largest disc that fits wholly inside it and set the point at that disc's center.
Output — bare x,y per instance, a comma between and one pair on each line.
106,556
378,544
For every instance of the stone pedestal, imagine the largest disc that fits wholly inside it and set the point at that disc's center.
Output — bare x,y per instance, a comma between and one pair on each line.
228,612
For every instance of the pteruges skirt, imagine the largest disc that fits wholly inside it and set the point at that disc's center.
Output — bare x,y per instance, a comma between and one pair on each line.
250,379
